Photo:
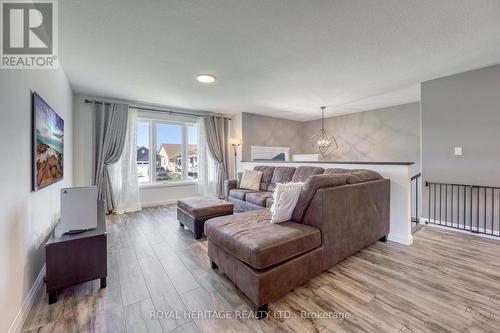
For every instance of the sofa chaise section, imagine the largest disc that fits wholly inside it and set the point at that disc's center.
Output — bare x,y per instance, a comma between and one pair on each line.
252,239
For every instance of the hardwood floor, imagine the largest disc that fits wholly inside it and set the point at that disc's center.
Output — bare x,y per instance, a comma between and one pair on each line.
444,282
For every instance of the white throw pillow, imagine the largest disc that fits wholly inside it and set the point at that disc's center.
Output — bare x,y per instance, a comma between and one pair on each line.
251,180
285,198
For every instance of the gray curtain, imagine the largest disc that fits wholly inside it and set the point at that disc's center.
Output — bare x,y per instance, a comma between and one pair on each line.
110,126
216,129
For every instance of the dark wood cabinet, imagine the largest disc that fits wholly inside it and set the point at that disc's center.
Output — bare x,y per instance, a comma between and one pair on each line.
73,259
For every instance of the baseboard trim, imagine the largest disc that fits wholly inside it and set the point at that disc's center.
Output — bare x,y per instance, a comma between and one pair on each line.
400,240
21,316
159,203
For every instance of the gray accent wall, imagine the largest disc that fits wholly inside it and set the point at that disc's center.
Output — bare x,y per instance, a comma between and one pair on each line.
462,110
258,130
388,134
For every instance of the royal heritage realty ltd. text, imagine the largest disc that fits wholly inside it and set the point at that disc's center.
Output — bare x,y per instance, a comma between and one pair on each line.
247,314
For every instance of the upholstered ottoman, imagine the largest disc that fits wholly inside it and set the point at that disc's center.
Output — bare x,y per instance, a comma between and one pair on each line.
193,212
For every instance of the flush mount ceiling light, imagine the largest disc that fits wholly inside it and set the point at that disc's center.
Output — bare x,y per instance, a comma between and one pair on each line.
205,78
323,141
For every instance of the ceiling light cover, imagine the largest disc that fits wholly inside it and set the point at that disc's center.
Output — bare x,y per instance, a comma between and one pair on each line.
205,78
323,141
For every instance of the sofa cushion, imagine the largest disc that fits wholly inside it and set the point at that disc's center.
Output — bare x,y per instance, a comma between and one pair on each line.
269,202
361,176
267,175
311,185
258,198
335,171
285,198
239,193
281,175
355,176
251,180
202,207
303,172
251,237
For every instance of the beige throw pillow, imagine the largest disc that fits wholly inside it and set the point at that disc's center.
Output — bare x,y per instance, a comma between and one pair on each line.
285,198
251,180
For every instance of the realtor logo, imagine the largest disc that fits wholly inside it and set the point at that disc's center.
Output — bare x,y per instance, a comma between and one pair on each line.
29,34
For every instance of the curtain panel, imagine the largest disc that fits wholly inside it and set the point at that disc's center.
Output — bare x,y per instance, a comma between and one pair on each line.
110,124
123,173
217,132
207,173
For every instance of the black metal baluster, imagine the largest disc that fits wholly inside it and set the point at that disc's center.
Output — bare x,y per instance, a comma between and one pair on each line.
465,204
492,208
446,204
470,208
429,205
484,217
440,204
435,203
452,190
477,212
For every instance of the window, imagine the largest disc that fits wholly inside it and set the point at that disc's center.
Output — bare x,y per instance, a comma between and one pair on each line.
169,143
172,145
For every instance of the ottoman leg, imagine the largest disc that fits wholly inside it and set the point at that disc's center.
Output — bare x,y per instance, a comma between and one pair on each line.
213,265
198,227
181,225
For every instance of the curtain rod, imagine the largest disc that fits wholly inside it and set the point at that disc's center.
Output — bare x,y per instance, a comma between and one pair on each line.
91,101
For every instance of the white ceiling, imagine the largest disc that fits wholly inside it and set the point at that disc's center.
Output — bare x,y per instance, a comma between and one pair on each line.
281,58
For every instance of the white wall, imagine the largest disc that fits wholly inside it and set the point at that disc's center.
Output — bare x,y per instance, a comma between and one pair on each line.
157,196
27,217
83,142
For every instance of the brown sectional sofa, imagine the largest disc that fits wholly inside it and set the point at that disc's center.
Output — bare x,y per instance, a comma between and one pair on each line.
339,212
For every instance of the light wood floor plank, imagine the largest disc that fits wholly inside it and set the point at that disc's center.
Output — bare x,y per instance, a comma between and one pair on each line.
133,286
180,276
139,319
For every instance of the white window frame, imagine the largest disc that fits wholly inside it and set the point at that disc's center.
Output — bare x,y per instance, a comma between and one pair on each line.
153,120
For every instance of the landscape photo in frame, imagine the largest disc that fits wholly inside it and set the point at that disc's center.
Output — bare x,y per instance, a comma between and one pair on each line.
48,144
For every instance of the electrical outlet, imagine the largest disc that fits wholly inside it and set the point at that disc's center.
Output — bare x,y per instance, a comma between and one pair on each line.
458,151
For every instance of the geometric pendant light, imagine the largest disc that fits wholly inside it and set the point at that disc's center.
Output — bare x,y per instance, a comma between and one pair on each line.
322,141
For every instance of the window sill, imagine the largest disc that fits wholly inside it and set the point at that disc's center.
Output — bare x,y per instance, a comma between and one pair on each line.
170,184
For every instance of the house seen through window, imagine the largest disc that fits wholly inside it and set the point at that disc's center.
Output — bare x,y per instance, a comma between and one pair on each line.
173,148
